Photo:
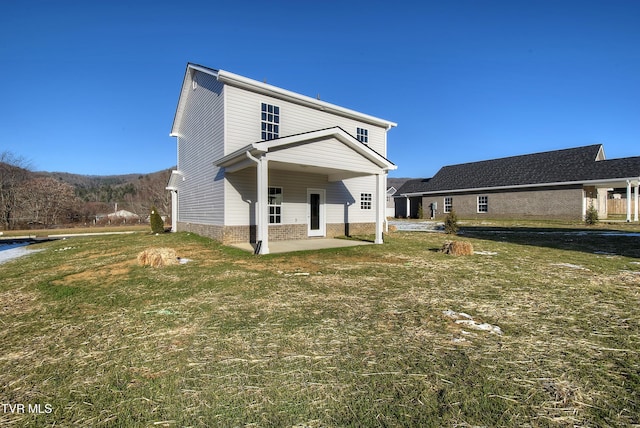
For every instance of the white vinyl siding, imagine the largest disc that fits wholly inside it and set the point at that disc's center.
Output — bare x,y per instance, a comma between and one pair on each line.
201,197
330,153
340,202
244,125
353,188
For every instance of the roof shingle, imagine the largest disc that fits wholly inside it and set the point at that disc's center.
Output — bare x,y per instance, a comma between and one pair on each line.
558,166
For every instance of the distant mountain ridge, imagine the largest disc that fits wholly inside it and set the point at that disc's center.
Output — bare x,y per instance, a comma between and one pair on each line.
134,192
83,180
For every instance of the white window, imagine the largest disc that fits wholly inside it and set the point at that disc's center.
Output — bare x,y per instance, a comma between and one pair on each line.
275,205
365,201
483,204
362,135
270,121
448,204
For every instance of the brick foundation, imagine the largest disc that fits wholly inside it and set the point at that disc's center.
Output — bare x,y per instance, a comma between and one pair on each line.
279,232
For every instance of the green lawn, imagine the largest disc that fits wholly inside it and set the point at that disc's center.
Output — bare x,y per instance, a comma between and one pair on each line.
346,337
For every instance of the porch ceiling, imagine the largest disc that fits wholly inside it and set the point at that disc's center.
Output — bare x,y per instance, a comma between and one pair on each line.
333,174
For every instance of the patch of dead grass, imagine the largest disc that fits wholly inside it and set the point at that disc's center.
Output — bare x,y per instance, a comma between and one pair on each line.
19,302
103,275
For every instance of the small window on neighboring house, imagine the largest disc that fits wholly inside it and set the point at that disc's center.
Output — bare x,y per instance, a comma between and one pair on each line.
275,205
365,201
362,135
270,121
448,204
483,204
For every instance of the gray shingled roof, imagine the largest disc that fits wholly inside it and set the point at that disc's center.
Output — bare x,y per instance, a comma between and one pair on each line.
559,166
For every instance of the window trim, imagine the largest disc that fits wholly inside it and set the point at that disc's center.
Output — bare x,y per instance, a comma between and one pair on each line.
362,135
366,201
482,202
275,210
269,121
447,207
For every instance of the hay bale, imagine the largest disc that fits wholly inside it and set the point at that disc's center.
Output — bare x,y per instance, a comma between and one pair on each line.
457,248
157,257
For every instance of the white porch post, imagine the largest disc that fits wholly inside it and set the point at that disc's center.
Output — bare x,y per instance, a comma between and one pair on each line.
380,207
628,200
174,210
262,218
408,207
635,215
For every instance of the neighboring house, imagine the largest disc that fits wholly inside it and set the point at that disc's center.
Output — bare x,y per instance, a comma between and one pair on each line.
391,207
259,163
120,215
560,184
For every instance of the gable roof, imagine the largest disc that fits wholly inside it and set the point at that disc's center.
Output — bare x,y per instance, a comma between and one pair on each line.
239,156
574,165
270,90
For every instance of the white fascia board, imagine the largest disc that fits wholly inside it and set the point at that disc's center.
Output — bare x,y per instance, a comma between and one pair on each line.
186,81
521,186
238,155
264,88
205,70
175,177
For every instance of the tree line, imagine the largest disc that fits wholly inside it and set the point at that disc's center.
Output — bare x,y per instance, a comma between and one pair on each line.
35,199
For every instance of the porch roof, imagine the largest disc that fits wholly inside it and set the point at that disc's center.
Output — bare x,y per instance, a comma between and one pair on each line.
336,166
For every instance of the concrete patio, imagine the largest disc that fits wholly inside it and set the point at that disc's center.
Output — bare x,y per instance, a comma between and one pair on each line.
277,247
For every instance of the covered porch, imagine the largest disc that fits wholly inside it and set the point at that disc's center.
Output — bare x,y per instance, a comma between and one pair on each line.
597,193
330,153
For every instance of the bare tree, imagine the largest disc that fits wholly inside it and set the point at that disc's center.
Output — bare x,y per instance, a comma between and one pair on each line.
13,173
44,199
150,191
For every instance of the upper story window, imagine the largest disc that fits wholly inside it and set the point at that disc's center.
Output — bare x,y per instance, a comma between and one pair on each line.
448,204
270,121
483,204
362,135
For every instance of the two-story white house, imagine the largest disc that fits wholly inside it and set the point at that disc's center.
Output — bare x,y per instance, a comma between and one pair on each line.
259,163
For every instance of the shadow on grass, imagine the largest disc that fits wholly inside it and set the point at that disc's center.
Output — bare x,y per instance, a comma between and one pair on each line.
596,241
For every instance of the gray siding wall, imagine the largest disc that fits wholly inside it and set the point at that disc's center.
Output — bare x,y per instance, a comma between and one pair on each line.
200,142
550,203
243,120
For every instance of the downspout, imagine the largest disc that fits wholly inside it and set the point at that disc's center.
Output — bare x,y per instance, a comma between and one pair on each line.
262,232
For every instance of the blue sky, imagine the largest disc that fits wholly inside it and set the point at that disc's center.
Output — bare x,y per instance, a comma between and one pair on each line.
91,87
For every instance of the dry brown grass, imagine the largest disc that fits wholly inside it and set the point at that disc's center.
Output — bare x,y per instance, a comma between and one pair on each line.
350,337
458,248
157,257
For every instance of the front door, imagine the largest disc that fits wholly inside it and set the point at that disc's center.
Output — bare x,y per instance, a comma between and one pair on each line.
315,212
